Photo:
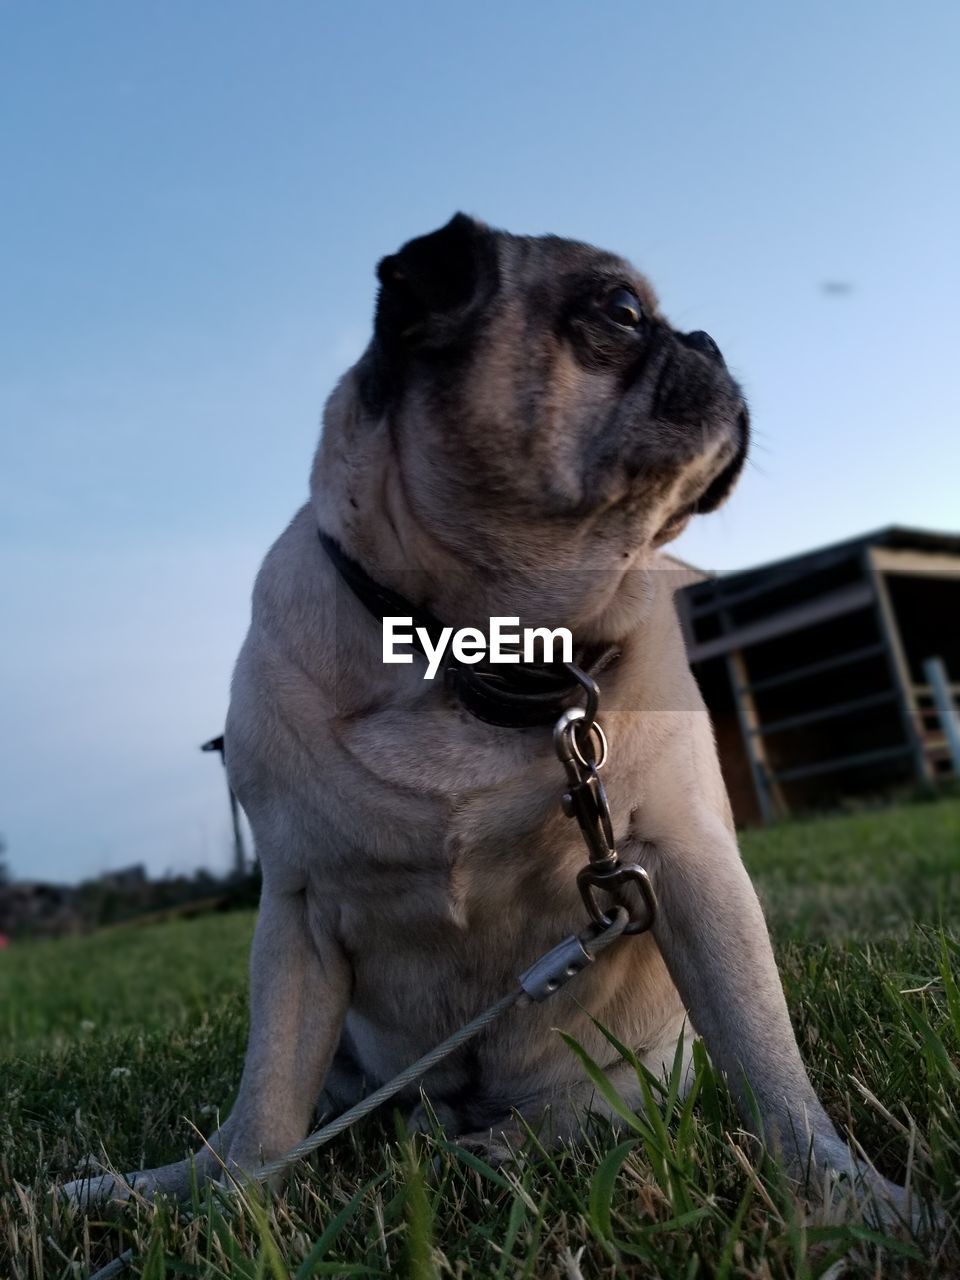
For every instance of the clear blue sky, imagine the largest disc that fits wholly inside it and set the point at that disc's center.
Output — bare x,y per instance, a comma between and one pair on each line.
194,196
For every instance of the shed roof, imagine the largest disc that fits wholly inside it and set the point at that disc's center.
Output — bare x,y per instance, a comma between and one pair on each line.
892,536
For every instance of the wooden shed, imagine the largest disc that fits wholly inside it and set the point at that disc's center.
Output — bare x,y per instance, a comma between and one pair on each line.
831,674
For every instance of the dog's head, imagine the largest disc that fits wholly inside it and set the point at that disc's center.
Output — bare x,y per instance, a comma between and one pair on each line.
530,387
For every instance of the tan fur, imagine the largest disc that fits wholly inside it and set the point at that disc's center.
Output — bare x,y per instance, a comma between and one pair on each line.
415,860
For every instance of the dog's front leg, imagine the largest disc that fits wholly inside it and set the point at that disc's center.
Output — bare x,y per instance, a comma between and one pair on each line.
712,935
299,991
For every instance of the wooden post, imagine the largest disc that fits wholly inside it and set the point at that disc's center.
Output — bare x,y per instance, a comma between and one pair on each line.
936,674
769,795
899,670
239,852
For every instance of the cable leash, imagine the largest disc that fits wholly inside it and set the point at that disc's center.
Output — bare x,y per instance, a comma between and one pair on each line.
547,975
582,749
544,977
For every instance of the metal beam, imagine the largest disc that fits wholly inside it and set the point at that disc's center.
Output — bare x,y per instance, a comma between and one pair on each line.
826,713
832,605
926,690
815,668
839,763
771,578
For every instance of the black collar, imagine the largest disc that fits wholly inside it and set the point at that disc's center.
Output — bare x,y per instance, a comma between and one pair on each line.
516,695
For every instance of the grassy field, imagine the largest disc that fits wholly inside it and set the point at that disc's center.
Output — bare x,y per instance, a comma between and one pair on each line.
128,1041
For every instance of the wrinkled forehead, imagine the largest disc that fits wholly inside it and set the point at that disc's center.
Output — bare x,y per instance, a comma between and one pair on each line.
561,269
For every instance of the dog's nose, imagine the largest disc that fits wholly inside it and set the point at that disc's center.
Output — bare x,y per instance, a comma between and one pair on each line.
701,341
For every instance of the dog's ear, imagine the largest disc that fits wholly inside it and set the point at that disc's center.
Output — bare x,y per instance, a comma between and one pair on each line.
433,288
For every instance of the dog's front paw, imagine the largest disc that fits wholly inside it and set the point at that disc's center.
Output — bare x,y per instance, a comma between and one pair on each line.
102,1190
887,1205
98,1189
883,1205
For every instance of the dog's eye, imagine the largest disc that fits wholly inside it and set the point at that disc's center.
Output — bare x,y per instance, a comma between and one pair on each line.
622,306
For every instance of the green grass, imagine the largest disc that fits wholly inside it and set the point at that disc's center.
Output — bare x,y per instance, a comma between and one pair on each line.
126,1041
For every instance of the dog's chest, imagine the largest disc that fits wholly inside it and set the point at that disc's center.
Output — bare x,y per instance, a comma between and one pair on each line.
476,861
460,829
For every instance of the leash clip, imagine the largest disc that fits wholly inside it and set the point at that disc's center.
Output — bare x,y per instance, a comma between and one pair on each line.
612,880
582,749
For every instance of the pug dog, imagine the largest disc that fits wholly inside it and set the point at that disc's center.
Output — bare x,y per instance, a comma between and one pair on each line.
523,432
